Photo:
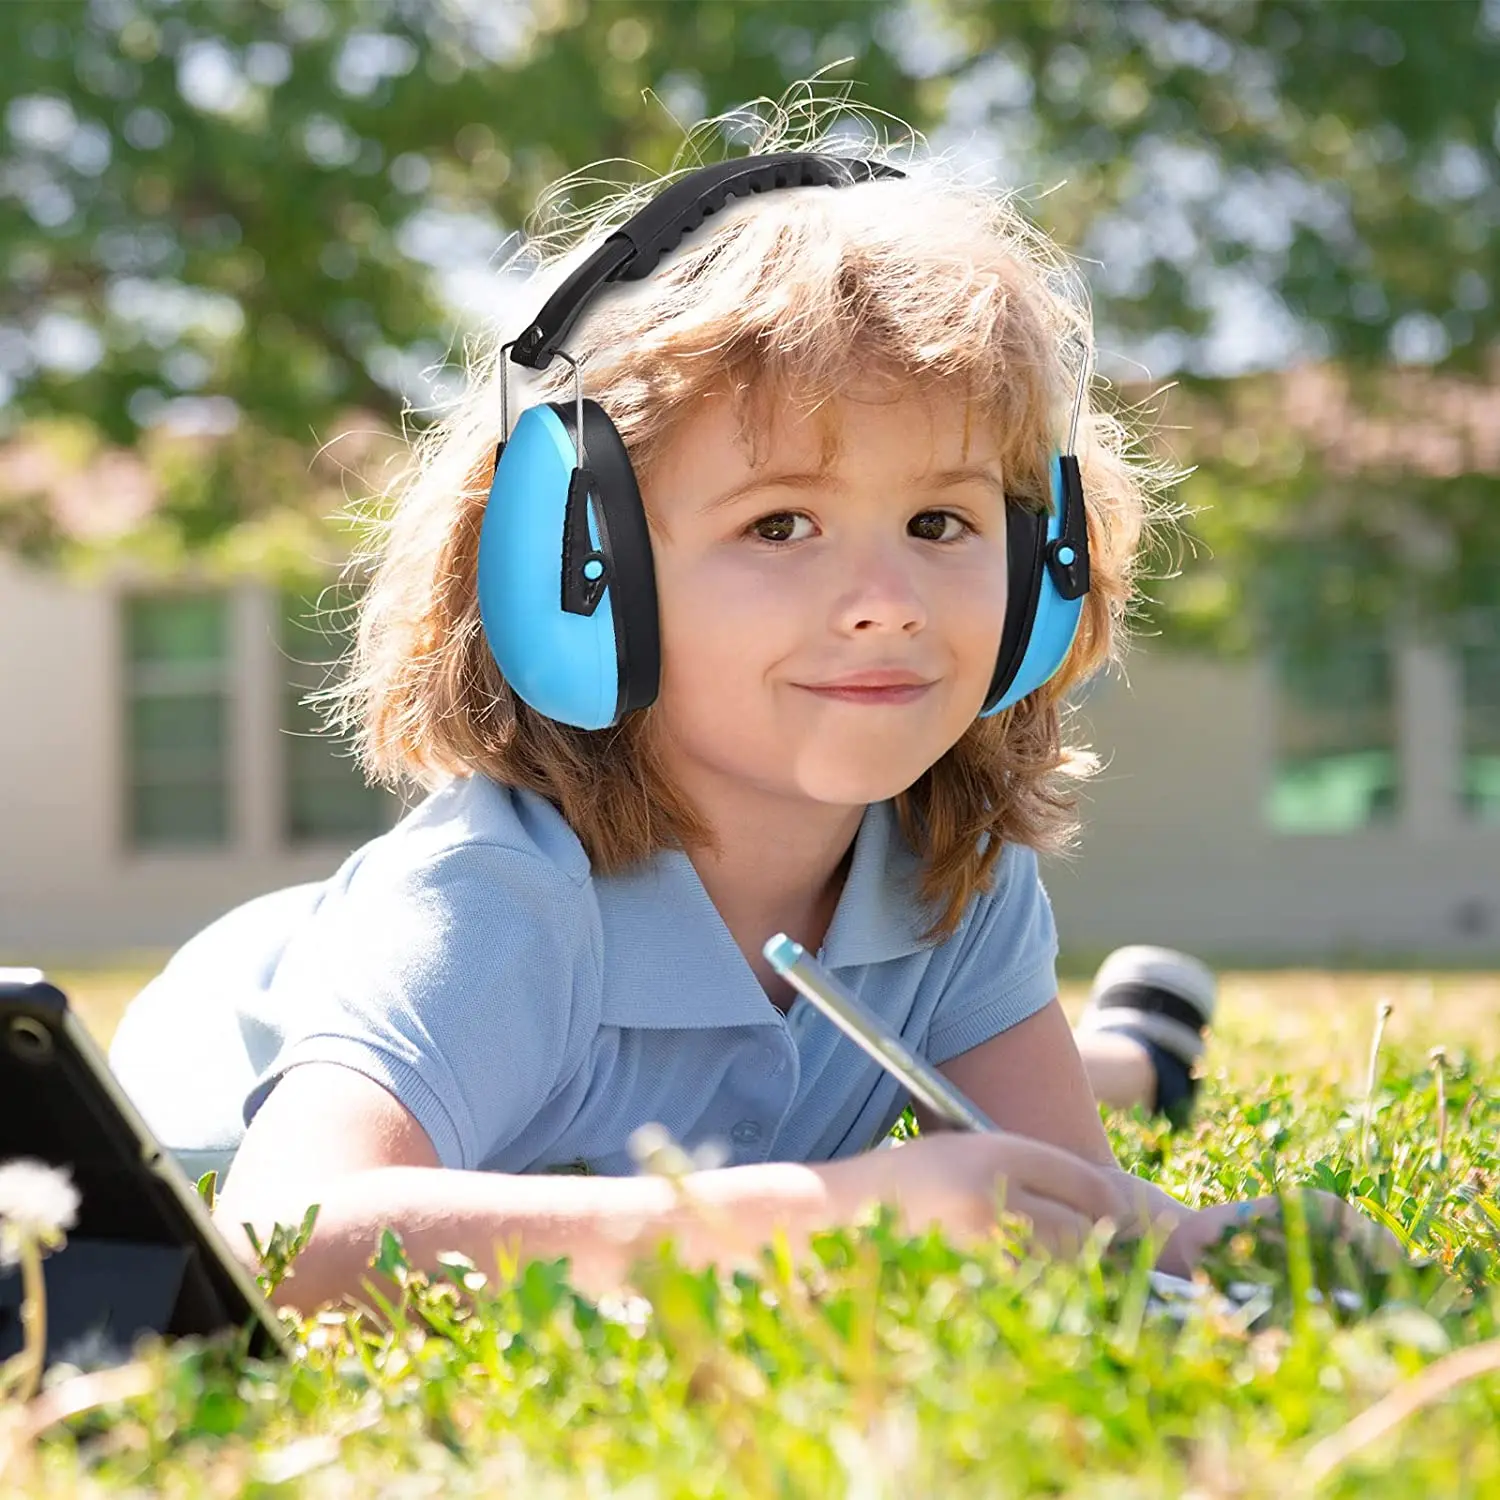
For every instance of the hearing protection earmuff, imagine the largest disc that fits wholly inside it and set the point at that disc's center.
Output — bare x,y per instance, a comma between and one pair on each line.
567,588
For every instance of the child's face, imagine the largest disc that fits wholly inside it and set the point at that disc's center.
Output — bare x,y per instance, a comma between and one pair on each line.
889,561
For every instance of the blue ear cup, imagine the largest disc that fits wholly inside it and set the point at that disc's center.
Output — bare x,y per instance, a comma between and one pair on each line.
567,589
1049,579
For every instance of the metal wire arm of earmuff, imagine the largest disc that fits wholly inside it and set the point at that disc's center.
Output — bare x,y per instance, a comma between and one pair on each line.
505,404
1067,559
585,569
1084,374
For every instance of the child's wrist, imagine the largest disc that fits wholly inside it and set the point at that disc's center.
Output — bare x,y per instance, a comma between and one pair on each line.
729,1214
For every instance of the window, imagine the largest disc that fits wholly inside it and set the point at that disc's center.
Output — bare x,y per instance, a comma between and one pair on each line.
177,673
326,799
1335,735
1479,687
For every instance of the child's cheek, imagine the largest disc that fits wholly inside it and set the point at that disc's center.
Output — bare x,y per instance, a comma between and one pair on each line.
736,606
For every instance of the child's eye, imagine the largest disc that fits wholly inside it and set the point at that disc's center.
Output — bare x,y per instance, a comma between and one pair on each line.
932,526
779,527
929,526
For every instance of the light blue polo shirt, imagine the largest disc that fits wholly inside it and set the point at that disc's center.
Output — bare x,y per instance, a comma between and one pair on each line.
531,1015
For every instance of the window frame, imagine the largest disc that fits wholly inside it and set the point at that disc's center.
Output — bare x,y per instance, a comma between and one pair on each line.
1385,761
1478,634
142,681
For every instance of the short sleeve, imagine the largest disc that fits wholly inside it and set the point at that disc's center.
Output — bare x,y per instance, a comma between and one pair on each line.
461,983
1006,968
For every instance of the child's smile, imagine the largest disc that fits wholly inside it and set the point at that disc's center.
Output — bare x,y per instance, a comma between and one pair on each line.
829,625
873,689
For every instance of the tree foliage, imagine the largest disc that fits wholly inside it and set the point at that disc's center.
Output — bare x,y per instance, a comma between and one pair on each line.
1294,181
243,199
1344,156
236,211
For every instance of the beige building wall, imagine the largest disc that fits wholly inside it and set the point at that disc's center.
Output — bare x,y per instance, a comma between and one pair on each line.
69,885
1174,848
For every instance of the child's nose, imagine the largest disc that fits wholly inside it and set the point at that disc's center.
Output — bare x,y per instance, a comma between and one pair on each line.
881,593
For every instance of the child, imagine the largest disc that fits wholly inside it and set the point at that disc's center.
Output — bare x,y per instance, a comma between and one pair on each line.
841,404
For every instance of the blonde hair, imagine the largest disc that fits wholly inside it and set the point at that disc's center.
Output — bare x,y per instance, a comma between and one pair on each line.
930,282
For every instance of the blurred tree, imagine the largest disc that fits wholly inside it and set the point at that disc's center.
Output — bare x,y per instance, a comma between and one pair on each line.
236,209
1344,157
1267,183
246,199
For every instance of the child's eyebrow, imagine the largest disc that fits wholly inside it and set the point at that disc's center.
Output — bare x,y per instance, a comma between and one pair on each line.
943,479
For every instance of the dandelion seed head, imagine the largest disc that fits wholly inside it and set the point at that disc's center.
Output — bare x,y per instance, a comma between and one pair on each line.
711,1154
647,1140
37,1201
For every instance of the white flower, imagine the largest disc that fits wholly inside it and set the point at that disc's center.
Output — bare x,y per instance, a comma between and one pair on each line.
633,1311
711,1154
37,1202
653,1150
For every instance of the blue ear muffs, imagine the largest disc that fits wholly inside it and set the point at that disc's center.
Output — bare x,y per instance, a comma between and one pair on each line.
567,586
1049,578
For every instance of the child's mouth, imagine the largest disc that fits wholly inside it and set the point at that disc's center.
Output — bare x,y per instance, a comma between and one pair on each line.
907,692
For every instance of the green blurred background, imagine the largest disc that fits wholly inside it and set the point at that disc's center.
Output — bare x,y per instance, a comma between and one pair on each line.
244,243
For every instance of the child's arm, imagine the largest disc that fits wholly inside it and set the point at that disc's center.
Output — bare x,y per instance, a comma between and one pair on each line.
602,1223
1030,1079
329,1135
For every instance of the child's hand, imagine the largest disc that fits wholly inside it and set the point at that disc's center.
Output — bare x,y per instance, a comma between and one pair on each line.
1325,1212
956,1180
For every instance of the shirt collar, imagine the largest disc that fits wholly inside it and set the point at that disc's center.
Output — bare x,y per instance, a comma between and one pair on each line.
659,921
880,914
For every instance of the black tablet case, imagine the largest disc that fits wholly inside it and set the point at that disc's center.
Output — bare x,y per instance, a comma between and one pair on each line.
144,1255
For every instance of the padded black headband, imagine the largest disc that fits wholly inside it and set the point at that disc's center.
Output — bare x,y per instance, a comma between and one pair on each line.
632,251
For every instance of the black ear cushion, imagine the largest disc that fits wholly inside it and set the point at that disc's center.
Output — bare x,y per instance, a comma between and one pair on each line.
627,542
1025,542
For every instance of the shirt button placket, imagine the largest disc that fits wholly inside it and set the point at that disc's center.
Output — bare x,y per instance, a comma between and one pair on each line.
753,1137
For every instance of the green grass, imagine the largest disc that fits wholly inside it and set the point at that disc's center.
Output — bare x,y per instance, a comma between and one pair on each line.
902,1367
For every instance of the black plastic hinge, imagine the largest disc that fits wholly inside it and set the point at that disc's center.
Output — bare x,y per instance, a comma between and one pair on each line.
1068,556
585,569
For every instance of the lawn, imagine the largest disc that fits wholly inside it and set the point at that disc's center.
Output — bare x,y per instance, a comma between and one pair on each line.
902,1367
